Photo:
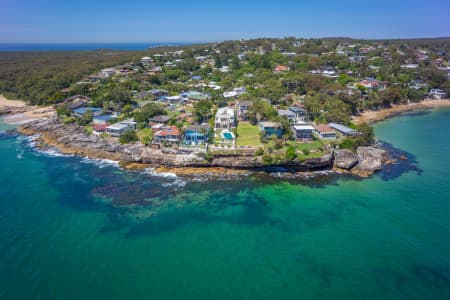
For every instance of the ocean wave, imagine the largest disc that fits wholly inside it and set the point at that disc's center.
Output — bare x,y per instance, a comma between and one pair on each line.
152,171
175,181
101,163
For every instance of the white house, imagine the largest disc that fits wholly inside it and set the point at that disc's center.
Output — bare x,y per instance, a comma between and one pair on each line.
225,118
438,94
107,72
119,128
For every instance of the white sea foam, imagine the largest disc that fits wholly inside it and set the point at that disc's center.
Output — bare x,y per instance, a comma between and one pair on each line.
101,163
175,181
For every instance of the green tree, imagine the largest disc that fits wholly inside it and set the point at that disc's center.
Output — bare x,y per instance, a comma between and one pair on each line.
202,110
128,137
291,153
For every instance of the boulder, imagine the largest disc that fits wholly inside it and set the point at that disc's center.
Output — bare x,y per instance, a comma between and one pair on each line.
345,159
370,159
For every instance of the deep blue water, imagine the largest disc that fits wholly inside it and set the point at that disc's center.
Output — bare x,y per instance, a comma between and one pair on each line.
81,46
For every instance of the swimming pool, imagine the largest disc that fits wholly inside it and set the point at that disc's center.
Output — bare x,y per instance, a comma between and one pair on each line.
228,135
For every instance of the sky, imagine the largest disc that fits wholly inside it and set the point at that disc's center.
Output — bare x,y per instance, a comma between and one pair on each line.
136,21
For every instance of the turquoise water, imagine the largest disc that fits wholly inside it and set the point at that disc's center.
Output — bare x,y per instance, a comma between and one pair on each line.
227,135
74,229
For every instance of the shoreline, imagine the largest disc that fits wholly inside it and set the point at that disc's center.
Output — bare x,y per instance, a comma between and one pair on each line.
373,116
17,112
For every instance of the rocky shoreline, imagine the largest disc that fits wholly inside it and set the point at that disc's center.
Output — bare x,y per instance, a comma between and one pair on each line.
72,139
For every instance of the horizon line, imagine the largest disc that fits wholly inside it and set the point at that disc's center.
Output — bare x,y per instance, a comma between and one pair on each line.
223,40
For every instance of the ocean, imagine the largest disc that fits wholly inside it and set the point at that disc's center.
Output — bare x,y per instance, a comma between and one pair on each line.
74,228
82,46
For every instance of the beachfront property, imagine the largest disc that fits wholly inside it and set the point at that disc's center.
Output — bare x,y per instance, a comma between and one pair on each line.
225,119
79,112
118,129
324,132
438,94
167,135
344,130
270,129
196,134
303,133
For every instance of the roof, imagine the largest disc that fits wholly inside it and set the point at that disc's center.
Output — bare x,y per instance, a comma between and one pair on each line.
83,110
342,128
100,127
268,124
118,126
297,109
196,127
169,130
104,117
303,127
285,112
323,128
160,118
245,103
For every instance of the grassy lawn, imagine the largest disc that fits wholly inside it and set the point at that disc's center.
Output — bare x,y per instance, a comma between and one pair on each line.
316,144
248,135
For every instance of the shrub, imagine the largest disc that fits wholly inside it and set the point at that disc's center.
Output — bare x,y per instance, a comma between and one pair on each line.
259,151
278,144
267,159
128,137
291,153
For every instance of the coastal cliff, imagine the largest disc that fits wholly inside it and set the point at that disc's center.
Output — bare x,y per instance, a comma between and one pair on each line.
72,139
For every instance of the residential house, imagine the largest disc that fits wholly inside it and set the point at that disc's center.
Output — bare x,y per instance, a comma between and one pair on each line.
97,78
281,68
194,96
118,129
197,134
103,119
418,84
303,133
146,60
79,112
76,101
325,132
243,108
300,114
163,119
271,128
107,72
438,94
371,83
290,115
225,118
168,134
344,130
98,129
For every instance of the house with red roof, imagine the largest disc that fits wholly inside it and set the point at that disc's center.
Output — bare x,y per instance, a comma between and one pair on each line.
281,68
167,134
324,132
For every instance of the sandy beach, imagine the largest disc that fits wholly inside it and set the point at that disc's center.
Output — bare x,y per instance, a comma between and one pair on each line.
373,116
30,113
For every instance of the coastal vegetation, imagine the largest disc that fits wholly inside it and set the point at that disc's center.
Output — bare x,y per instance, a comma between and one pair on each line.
281,100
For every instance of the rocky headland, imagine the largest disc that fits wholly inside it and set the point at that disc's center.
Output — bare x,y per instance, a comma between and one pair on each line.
72,139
